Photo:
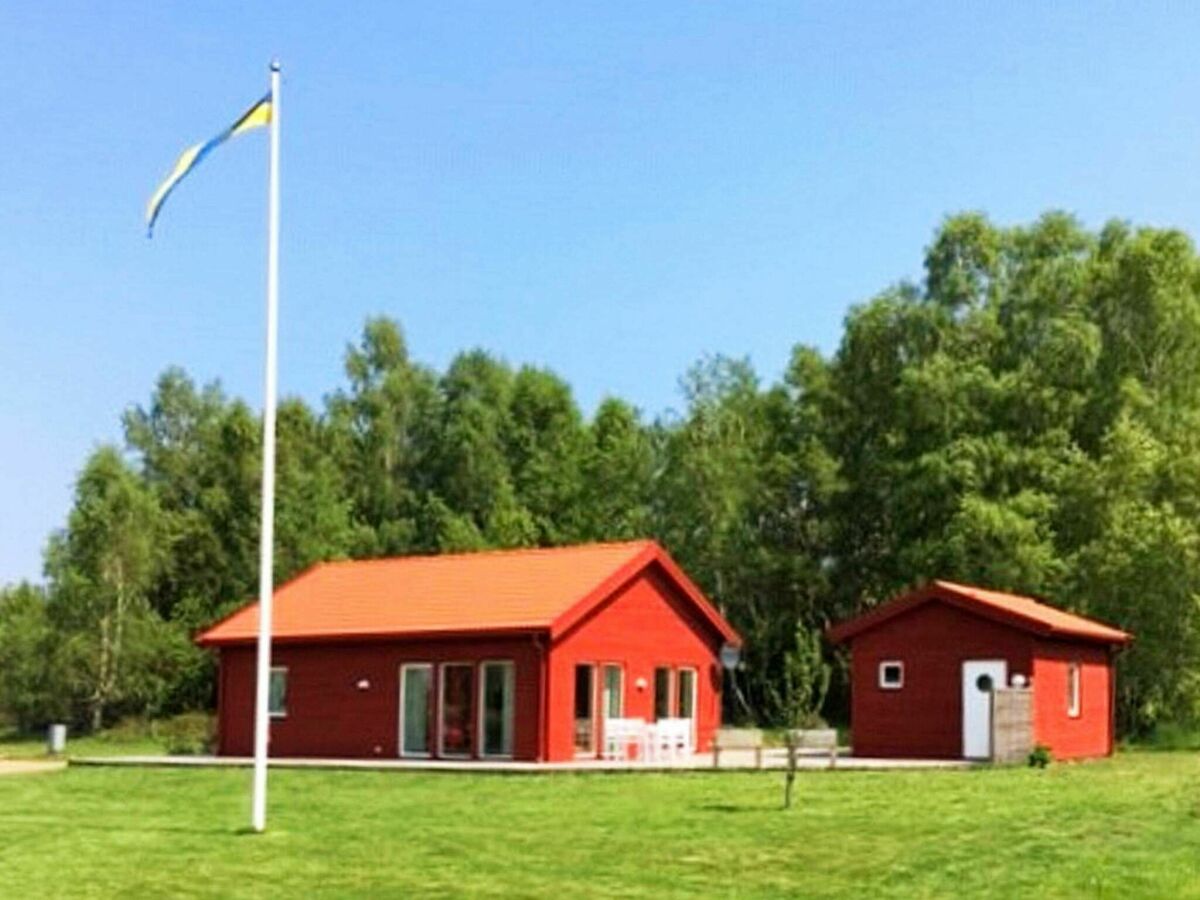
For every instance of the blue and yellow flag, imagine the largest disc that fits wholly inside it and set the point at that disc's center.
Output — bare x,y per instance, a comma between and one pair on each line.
255,117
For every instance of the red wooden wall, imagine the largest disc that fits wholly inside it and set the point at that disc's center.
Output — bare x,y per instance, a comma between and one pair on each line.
327,714
1089,734
645,624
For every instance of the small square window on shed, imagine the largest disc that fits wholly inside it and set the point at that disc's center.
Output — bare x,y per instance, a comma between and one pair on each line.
891,675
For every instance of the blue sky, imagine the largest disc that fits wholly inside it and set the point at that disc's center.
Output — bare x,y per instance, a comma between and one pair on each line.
611,190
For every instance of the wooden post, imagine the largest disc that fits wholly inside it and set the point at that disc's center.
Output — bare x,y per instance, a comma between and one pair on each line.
791,769
992,725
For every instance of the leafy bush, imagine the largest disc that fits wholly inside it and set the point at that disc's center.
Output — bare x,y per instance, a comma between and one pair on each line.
1173,736
1040,756
128,730
805,681
189,734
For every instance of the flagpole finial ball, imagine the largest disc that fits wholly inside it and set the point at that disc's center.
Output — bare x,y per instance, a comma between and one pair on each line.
274,65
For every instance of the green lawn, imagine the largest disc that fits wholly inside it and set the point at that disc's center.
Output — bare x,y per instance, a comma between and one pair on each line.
1120,828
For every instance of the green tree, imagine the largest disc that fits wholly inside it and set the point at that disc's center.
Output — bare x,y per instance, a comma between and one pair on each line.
618,474
381,433
101,569
31,684
546,441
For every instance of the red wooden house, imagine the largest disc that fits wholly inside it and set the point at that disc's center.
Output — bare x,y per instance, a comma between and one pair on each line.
923,665
511,655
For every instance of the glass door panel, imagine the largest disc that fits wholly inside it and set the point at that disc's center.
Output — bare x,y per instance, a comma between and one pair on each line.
614,702
687,694
498,709
662,693
458,686
415,689
585,713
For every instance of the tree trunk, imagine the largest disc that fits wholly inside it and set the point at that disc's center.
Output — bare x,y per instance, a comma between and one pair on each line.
99,693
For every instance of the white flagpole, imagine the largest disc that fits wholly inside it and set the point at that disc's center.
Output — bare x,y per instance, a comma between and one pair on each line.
265,559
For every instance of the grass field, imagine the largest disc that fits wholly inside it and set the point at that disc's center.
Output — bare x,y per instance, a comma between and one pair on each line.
14,745
1119,828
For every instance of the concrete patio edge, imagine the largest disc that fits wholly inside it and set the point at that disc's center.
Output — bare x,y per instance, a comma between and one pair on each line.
700,763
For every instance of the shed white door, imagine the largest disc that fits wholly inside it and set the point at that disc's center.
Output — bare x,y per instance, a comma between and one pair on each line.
979,678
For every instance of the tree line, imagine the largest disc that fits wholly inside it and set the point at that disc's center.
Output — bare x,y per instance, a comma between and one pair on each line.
1026,417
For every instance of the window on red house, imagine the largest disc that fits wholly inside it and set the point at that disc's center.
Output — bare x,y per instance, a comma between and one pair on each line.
1073,705
662,693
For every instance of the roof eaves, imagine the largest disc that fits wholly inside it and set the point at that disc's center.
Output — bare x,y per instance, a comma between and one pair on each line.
370,635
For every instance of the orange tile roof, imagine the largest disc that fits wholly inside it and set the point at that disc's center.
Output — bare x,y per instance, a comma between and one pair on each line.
1058,621
512,590
1022,612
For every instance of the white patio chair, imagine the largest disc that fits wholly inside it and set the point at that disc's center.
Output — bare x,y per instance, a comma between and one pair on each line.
620,734
672,739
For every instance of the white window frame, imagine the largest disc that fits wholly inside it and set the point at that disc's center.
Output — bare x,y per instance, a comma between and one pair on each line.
884,684
604,667
593,706
1074,690
481,741
695,697
441,707
412,754
280,713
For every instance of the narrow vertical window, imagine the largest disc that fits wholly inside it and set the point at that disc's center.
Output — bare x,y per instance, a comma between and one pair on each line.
497,708
685,704
662,693
1073,707
614,700
277,692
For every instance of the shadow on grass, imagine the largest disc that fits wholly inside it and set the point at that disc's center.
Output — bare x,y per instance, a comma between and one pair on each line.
50,822
737,808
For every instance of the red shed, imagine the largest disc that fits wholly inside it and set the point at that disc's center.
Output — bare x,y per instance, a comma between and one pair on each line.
923,665
512,655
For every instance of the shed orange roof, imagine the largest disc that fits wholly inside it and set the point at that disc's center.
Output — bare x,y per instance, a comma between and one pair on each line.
511,590
1014,609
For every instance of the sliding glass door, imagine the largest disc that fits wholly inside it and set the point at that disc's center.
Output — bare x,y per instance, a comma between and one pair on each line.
416,691
496,708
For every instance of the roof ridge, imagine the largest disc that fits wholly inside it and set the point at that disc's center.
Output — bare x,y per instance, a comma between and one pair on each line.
1038,614
491,551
